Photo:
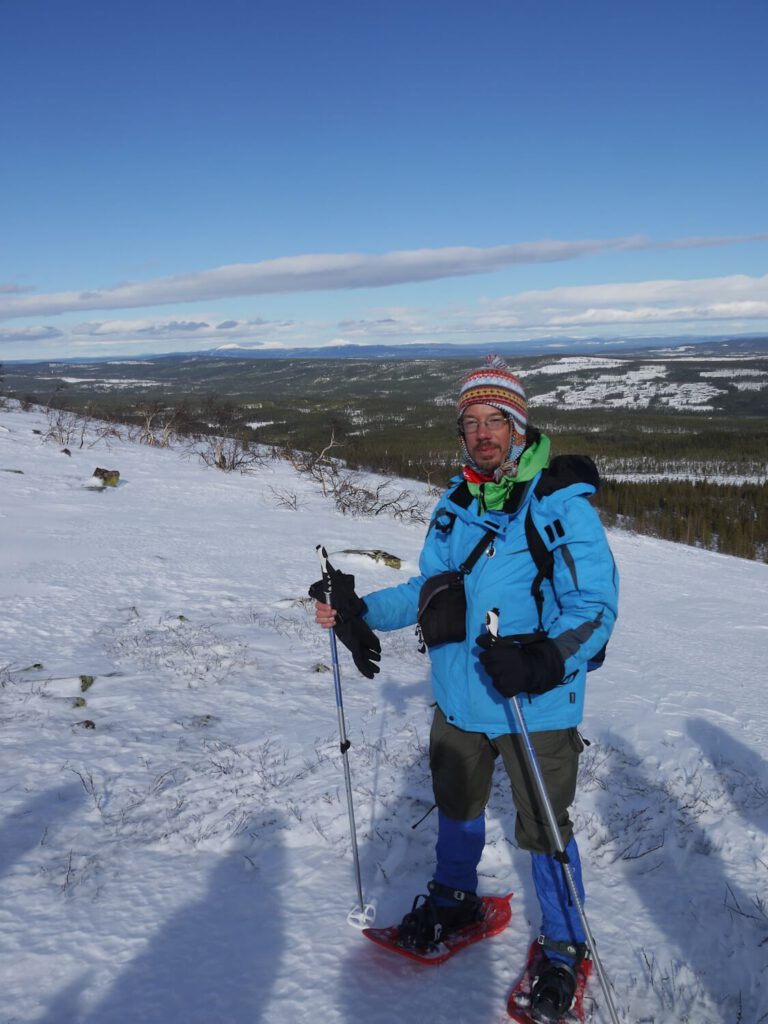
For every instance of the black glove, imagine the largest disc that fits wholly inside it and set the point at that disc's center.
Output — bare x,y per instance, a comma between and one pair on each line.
338,589
356,635
526,663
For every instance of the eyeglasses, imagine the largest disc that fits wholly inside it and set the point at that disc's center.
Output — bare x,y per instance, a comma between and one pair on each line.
493,423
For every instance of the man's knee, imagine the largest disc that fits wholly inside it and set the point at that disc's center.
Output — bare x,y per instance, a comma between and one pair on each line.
533,834
557,754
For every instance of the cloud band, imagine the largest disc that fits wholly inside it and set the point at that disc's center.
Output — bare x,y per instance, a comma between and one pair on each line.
331,271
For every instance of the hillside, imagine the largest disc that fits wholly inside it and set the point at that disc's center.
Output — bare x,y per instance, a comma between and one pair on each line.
175,836
679,432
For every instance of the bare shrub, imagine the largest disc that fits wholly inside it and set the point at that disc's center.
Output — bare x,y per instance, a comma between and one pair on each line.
286,499
159,425
105,432
65,427
352,497
230,454
433,490
323,469
351,494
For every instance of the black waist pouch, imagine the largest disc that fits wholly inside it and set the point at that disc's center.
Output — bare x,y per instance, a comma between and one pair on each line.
442,615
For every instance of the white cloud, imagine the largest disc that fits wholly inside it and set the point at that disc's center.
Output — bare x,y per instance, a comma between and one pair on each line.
737,286
38,333
148,330
732,303
154,328
736,297
330,271
655,314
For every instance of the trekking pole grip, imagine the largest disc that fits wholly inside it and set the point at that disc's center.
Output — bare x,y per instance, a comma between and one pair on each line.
322,554
492,622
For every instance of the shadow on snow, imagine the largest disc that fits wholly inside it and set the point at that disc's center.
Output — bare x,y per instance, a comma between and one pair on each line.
212,962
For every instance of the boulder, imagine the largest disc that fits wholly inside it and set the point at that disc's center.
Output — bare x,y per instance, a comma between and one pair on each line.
378,556
109,477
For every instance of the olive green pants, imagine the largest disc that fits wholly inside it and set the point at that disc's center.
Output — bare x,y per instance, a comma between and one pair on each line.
462,766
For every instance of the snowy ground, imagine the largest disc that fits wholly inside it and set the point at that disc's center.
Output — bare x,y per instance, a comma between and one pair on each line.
175,841
637,388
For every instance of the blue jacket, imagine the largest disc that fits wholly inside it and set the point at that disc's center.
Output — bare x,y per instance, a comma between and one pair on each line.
579,611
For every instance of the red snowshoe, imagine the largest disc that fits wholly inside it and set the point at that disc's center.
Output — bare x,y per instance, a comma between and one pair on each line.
491,915
549,992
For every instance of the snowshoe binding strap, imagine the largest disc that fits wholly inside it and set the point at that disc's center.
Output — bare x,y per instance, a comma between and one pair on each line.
420,929
433,916
574,952
553,992
438,891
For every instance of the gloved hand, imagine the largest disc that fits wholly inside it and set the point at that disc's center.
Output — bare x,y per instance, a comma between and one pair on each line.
356,635
526,663
341,588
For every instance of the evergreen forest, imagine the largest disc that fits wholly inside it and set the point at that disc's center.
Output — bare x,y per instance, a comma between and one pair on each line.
691,476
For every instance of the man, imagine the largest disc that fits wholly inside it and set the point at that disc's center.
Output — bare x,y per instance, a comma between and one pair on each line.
549,629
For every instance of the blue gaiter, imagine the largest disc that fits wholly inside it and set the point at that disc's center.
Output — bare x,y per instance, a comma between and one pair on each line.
459,848
560,919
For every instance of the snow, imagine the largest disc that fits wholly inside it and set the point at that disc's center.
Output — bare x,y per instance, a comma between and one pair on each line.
108,382
635,389
735,372
187,858
693,474
573,364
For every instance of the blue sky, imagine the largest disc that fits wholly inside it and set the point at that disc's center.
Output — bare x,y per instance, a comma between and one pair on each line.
177,175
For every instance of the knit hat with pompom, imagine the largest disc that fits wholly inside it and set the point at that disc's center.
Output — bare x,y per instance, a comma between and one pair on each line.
495,384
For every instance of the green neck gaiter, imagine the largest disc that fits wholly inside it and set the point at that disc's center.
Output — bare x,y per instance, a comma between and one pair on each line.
492,496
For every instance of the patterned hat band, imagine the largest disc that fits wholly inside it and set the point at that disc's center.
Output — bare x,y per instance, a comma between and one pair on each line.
496,385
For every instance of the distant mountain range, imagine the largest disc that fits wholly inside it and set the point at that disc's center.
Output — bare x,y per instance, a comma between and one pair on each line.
383,383
539,347
712,345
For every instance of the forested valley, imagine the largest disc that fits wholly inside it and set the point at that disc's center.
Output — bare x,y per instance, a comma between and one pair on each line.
694,476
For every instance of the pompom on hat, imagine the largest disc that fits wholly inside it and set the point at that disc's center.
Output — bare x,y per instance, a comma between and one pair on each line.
495,384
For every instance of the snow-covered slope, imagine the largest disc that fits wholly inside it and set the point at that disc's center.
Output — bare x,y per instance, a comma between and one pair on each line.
176,848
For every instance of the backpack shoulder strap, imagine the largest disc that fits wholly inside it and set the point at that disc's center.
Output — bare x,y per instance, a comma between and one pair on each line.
468,564
565,470
462,496
543,559
562,471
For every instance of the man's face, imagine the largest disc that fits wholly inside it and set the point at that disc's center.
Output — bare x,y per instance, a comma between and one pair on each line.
488,444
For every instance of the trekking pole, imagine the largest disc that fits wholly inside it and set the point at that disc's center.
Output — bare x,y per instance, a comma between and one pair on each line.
492,622
366,912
